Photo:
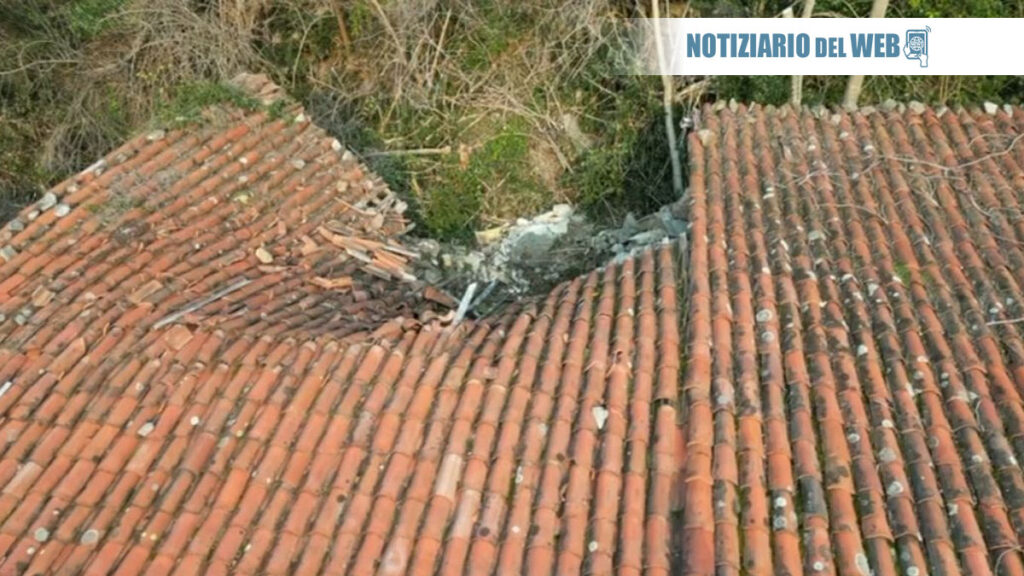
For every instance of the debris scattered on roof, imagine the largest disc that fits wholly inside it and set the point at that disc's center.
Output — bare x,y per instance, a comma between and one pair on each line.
532,255
388,260
177,218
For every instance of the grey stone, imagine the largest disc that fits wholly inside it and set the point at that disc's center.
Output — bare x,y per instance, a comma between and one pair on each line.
649,237
90,537
429,248
674,226
629,224
472,261
534,244
49,200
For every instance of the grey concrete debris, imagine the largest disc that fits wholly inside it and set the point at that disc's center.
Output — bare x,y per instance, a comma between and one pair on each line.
49,200
531,255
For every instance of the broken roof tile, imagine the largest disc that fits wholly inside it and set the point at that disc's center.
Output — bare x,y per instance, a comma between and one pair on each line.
847,398
171,404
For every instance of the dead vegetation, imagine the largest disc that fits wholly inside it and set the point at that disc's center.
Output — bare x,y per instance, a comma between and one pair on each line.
477,111
519,93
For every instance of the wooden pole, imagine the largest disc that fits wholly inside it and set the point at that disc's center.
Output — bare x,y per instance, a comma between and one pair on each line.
667,102
796,92
796,83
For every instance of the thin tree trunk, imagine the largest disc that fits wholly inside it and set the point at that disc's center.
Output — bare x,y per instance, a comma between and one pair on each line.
856,83
339,14
796,92
796,83
667,101
808,9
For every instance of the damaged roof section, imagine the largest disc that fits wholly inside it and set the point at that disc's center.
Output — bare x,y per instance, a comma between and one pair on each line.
538,442
212,361
258,209
852,400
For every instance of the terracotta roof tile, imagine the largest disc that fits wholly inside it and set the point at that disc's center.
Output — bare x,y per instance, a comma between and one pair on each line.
847,398
241,448
852,393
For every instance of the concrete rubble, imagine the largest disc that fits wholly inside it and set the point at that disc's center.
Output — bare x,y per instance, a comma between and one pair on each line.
531,255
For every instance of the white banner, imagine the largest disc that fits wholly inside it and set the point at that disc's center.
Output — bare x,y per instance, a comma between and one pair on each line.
834,46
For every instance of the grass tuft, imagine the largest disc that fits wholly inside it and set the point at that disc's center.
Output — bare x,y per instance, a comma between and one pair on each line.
191,99
497,175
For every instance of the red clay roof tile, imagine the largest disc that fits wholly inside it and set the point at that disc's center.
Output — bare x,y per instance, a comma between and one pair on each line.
849,400
853,303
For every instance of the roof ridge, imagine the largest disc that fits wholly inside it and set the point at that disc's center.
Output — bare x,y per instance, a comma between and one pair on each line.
820,110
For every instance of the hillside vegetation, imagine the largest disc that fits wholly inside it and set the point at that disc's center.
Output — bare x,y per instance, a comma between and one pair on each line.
478,111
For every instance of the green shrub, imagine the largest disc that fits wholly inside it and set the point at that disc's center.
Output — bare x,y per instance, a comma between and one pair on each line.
392,76
498,170
191,99
90,18
630,174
